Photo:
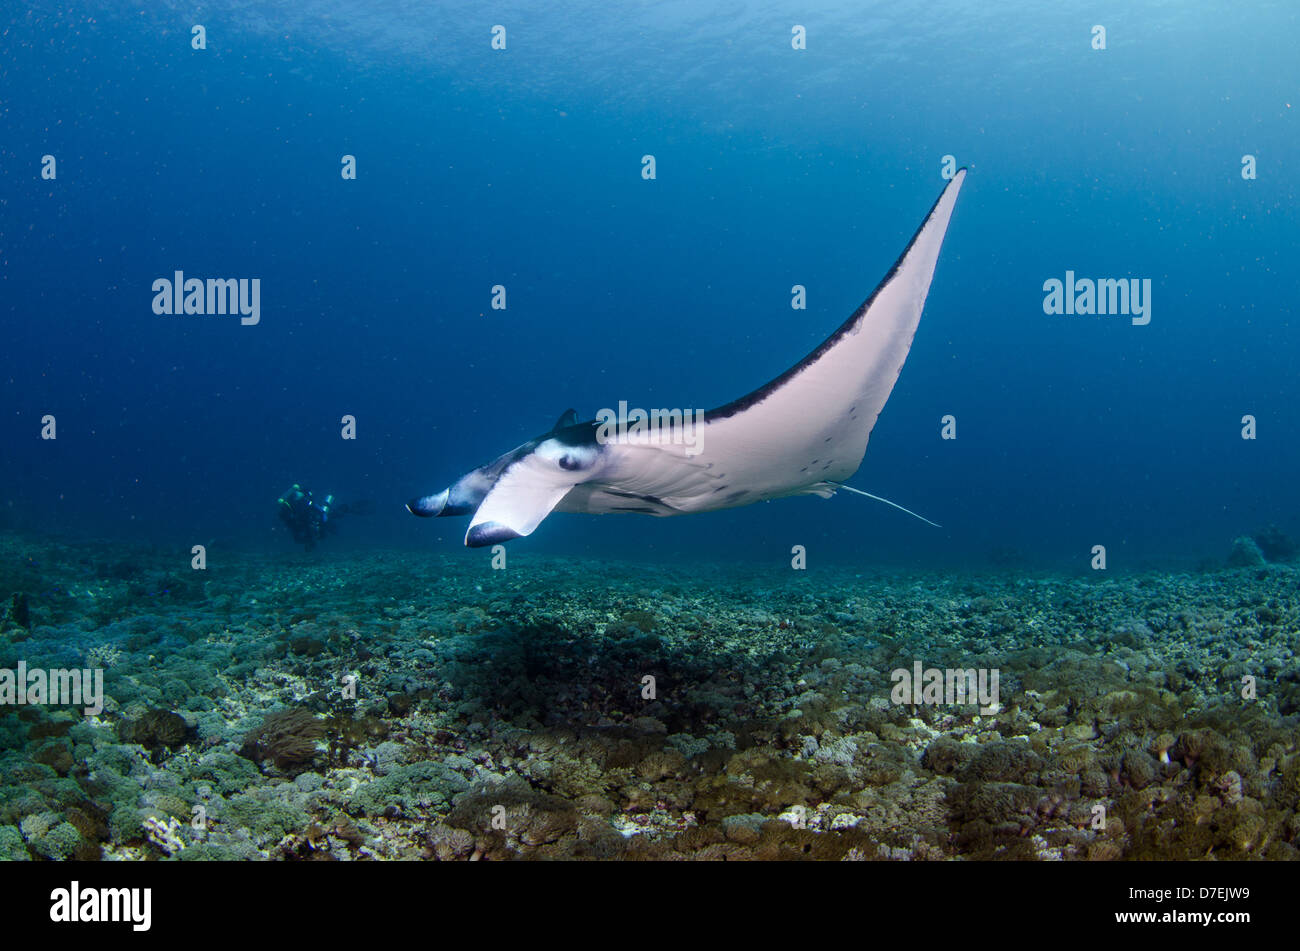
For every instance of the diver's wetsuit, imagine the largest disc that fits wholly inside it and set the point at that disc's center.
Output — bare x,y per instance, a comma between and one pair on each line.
307,518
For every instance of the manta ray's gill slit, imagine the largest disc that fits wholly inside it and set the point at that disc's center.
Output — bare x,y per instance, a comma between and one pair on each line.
653,499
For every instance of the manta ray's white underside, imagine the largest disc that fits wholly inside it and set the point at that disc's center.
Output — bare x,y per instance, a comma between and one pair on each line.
800,434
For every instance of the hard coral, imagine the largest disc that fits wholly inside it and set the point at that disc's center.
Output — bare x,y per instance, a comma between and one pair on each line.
1275,544
1245,553
287,739
156,730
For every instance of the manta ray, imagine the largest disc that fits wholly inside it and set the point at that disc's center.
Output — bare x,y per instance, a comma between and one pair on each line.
803,433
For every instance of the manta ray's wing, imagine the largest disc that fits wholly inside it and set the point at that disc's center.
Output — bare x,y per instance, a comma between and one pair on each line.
809,427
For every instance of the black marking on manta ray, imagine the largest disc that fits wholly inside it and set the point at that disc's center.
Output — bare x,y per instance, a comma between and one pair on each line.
763,392
652,499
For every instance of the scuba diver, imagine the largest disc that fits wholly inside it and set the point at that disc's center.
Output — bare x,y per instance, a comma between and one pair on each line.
309,518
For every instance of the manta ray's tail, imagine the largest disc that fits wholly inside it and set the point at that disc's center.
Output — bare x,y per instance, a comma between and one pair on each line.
850,488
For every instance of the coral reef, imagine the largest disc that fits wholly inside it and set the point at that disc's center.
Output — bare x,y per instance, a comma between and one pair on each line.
338,711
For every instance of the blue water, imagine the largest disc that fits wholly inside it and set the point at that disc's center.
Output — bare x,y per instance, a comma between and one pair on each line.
775,167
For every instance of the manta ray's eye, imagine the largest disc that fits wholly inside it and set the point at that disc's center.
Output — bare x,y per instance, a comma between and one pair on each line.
567,457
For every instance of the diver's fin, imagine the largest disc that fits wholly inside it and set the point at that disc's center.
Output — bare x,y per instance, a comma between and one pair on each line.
841,485
568,418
